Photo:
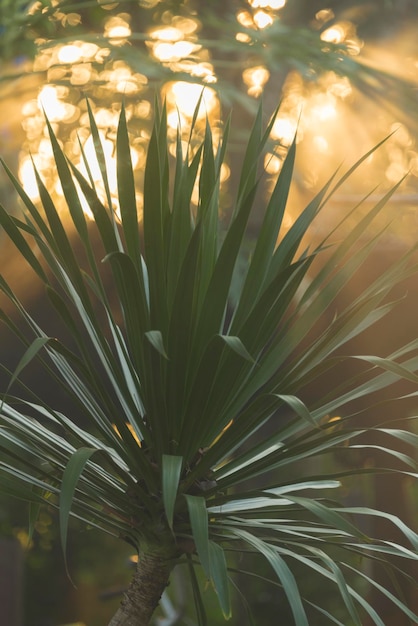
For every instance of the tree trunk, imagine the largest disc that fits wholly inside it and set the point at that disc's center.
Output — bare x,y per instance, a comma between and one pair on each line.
144,592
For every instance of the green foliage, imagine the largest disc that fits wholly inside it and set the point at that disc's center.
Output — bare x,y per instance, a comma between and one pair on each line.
185,397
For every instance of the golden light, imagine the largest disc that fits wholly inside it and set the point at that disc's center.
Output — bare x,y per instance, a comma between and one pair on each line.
77,64
168,44
223,431
336,418
117,29
176,120
187,25
395,171
66,109
123,80
272,164
287,222
245,19
108,6
51,100
82,74
255,78
27,177
34,8
339,86
262,19
91,158
323,107
225,172
168,34
243,38
284,130
321,144
164,51
185,97
334,34
70,54
71,19
134,435
86,70
401,135
274,5
324,15
413,164
203,70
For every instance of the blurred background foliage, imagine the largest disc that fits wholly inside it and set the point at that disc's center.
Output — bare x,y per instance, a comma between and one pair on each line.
345,72
346,75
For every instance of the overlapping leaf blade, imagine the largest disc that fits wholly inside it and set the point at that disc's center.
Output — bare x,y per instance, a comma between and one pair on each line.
193,395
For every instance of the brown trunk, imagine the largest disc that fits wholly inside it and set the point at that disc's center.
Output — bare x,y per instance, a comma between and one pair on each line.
144,592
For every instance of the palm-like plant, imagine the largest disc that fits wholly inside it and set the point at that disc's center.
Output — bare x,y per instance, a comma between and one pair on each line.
176,381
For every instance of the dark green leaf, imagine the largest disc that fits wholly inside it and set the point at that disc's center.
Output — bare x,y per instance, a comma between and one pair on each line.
200,529
219,573
70,479
171,471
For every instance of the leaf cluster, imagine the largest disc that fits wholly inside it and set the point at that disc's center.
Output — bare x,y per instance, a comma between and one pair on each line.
191,428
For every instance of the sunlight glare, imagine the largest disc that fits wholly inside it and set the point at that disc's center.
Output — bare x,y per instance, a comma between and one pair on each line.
70,54
245,19
225,172
255,78
321,144
284,130
185,96
243,38
262,19
267,4
324,15
27,176
339,86
169,44
91,157
323,107
169,33
50,99
165,51
334,34
117,29
272,163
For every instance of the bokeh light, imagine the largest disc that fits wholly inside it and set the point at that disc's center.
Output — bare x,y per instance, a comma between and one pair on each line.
324,111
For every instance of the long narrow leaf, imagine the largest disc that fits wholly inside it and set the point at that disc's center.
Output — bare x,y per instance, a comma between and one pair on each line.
171,471
200,529
70,478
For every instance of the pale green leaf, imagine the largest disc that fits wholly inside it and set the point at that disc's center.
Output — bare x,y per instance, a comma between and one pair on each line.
235,344
390,366
156,340
410,534
328,515
298,407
